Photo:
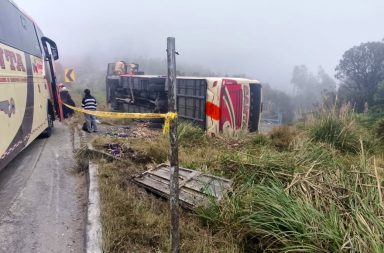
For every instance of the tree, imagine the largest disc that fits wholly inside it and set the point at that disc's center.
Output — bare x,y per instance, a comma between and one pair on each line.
325,82
302,79
360,70
310,89
275,101
378,97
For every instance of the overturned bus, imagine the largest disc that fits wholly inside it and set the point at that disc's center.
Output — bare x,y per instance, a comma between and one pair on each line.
217,104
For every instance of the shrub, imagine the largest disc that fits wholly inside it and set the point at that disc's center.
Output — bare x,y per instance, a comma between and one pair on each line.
189,134
282,137
264,217
260,140
339,129
318,207
337,133
379,129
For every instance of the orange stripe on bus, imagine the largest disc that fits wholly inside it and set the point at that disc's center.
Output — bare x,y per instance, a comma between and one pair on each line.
212,110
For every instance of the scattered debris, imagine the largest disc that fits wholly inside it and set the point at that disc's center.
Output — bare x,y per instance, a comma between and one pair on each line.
118,131
114,149
122,135
122,152
196,188
139,130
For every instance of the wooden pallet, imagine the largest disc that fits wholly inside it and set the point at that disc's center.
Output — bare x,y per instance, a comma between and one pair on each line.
196,188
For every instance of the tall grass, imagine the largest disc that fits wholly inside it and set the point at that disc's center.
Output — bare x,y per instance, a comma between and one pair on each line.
379,129
135,221
315,189
269,219
320,205
324,194
337,128
189,134
282,137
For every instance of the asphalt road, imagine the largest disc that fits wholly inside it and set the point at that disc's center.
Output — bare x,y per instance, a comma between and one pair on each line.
42,199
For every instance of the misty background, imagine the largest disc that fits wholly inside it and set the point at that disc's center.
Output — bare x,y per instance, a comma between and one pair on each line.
292,47
261,39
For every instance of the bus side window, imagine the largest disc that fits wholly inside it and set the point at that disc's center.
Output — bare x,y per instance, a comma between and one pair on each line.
1,30
39,35
28,35
9,25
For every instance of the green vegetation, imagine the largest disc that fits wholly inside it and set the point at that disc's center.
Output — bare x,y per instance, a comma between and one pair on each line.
187,133
337,129
135,221
379,128
364,89
314,199
282,137
313,188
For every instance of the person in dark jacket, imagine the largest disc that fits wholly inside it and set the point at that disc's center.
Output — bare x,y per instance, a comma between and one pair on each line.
67,99
89,103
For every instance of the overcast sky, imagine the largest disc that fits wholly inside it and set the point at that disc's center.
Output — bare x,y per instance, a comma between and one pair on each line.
263,39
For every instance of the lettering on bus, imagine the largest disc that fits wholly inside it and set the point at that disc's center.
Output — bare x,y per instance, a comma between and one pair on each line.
15,60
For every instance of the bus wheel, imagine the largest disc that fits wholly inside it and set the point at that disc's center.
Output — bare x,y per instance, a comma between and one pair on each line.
48,131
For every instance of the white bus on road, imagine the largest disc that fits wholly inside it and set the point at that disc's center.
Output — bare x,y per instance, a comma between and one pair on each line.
27,82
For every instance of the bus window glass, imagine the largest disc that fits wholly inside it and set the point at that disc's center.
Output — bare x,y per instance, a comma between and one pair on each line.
1,30
9,25
39,35
30,41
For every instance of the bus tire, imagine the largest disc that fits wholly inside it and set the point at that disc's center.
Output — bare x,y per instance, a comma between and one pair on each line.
48,131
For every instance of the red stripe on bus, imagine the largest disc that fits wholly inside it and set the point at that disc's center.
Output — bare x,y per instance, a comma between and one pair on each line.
18,79
9,79
212,110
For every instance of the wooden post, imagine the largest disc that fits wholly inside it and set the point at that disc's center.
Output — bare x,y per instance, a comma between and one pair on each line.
173,152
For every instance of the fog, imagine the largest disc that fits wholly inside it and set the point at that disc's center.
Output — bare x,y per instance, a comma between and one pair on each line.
261,39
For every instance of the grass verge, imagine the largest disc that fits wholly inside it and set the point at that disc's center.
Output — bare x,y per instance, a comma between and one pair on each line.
136,221
313,188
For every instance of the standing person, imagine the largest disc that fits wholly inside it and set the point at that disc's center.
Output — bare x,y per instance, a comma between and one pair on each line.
67,99
89,103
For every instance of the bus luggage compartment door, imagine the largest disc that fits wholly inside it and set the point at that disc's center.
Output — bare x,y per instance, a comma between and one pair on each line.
191,100
231,107
255,107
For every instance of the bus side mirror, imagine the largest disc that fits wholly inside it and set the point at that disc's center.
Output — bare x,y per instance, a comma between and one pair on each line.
54,52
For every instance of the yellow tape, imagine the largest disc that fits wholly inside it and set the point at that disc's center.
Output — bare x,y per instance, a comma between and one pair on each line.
121,115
